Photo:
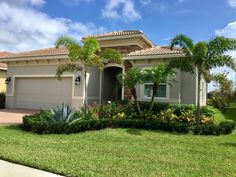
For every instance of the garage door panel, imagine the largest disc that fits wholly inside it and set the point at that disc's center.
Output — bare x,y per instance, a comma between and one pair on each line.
42,93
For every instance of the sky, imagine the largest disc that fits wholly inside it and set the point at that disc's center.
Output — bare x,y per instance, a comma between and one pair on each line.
34,24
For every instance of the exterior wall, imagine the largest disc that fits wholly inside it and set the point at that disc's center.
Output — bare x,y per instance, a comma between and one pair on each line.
188,88
93,85
39,69
182,90
173,90
3,75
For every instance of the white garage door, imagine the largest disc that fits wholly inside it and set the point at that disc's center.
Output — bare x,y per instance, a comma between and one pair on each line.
42,93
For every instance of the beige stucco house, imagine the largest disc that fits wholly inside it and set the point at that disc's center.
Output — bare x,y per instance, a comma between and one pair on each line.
3,75
33,84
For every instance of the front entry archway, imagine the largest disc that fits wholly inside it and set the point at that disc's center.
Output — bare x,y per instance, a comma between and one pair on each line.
111,89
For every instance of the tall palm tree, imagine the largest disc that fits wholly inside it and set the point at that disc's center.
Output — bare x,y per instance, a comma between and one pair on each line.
157,75
89,54
202,57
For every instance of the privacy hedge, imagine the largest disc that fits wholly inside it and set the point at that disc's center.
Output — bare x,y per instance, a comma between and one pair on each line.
41,125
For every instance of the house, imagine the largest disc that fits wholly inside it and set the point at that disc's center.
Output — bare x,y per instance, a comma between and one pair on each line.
33,84
3,73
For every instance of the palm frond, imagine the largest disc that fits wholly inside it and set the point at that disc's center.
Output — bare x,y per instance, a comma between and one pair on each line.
65,41
221,60
220,45
111,55
183,41
183,64
70,67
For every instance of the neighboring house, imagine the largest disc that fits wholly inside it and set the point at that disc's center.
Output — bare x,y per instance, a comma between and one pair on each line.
33,84
3,73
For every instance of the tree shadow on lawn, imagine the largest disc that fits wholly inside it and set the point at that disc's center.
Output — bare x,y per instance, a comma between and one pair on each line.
133,131
229,144
230,114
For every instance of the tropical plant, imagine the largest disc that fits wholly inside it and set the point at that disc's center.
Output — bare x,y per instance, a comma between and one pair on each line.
130,79
223,95
157,75
89,54
62,113
202,57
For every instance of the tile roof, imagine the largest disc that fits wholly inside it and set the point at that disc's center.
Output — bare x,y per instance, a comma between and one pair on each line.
117,33
4,65
41,52
157,50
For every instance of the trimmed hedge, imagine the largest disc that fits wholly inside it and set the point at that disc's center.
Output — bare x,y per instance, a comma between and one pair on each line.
38,124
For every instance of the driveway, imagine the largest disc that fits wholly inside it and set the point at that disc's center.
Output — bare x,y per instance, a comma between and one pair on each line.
14,116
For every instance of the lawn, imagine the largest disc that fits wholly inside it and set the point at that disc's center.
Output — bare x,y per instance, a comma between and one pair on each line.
122,152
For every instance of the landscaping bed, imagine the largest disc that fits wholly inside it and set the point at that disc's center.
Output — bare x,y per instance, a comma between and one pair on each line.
165,117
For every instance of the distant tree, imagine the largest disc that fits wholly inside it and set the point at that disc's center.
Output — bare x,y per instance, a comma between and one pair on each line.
88,54
224,93
202,57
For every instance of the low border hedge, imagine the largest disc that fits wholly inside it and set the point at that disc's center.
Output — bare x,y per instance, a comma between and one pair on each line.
41,126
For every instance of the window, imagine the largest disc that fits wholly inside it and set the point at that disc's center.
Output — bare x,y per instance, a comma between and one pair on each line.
161,91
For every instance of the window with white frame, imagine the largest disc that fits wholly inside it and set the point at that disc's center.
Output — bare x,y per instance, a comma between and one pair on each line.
161,91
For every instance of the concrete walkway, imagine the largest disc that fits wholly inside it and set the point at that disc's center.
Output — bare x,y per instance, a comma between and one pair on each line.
8,169
14,116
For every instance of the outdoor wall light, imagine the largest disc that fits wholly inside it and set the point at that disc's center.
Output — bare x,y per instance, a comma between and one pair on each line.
8,80
77,80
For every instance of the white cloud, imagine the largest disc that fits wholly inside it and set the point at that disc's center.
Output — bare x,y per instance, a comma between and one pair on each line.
26,28
121,9
228,31
232,3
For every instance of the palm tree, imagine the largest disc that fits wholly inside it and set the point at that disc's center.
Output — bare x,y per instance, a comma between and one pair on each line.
130,79
89,54
158,75
203,56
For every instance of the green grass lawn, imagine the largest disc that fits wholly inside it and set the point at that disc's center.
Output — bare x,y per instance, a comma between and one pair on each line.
122,152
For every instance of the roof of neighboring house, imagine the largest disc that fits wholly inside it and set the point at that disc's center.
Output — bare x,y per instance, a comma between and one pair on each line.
157,50
4,65
41,52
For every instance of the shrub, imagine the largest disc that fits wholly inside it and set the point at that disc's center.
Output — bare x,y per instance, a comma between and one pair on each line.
227,127
213,129
2,100
207,130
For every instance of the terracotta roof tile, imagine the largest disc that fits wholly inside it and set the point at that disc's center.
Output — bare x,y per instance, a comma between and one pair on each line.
4,65
41,52
117,33
157,50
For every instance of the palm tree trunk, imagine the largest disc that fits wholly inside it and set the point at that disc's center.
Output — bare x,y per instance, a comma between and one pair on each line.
85,91
154,91
133,92
198,96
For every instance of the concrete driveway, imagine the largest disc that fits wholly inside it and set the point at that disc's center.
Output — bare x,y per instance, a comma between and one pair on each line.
14,116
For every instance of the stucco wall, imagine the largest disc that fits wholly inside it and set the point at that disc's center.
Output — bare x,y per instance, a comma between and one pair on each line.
42,70
3,75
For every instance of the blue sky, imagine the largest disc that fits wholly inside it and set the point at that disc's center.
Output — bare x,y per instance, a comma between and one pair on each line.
34,24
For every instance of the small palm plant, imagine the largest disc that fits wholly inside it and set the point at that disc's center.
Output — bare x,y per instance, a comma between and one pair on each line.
157,75
130,79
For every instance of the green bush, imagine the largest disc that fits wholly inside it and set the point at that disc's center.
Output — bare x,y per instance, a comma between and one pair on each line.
227,127
213,129
2,100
